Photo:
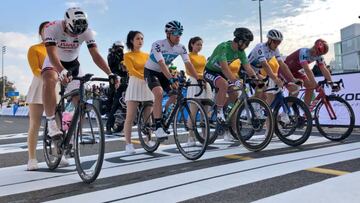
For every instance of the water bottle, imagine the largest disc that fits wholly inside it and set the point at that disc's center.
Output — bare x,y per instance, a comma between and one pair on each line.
67,116
229,108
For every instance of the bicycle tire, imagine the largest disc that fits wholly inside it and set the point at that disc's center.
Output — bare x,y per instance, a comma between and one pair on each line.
145,126
296,121
82,138
52,161
350,125
200,134
256,123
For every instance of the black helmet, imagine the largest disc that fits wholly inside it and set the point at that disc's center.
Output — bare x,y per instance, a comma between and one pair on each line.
244,34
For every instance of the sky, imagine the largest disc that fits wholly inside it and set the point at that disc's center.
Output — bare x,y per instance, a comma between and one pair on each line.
300,21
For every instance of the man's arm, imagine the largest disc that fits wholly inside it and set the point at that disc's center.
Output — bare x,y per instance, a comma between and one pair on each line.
326,73
54,59
310,74
226,70
164,69
249,70
285,69
98,60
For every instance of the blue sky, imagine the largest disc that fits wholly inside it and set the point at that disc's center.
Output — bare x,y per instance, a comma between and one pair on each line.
301,21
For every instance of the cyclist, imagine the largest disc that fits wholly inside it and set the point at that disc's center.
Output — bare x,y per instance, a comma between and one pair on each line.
299,61
116,62
63,39
217,71
266,59
156,72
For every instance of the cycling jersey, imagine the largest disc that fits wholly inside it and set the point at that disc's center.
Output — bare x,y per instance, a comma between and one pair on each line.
224,52
162,50
300,57
68,47
262,53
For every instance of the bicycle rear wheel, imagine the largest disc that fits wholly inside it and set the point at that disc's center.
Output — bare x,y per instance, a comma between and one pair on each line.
52,158
191,129
298,130
255,124
145,123
342,125
89,143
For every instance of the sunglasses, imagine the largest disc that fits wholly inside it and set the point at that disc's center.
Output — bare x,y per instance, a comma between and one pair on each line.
177,33
246,43
276,42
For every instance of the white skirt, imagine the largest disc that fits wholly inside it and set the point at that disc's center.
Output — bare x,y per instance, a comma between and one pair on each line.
193,90
34,95
138,90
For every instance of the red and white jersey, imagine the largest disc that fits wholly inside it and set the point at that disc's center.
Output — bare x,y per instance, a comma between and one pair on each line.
68,47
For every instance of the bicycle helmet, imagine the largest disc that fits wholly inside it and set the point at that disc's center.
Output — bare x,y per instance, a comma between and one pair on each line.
76,20
118,44
321,46
275,35
174,26
244,34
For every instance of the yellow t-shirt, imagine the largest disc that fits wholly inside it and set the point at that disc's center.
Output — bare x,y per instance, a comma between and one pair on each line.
36,56
135,63
199,62
274,65
235,67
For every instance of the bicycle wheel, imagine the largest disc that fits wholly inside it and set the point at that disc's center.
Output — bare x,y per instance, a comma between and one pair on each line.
191,129
255,124
52,158
297,129
145,123
89,143
342,125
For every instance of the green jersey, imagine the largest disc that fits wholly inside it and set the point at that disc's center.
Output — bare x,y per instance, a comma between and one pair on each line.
224,52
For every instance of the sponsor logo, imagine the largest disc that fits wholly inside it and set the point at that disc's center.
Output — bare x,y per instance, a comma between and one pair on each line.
350,96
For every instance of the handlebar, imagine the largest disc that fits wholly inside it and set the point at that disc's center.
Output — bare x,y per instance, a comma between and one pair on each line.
324,83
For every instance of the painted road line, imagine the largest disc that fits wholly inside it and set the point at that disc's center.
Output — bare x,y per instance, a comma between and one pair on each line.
183,186
327,171
235,156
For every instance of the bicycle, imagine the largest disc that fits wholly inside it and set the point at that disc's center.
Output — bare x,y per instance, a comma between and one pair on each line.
85,129
252,116
185,124
342,118
291,127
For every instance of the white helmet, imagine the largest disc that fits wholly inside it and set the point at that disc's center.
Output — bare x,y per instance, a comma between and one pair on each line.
119,44
76,20
275,35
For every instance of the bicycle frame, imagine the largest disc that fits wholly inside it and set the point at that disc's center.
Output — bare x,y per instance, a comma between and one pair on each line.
322,97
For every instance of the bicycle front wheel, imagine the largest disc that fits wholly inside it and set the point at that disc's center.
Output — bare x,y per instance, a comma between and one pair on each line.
52,158
338,126
296,129
191,129
255,124
146,124
89,143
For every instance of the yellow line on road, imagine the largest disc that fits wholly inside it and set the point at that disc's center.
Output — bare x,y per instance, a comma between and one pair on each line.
234,156
327,171
135,141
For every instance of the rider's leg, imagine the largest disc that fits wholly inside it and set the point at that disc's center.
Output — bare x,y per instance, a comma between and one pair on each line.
308,92
220,97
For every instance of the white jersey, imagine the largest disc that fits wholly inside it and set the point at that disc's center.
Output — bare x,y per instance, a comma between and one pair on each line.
162,50
261,53
68,47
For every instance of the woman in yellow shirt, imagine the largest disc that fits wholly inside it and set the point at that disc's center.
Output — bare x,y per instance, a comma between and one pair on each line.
137,90
36,56
199,62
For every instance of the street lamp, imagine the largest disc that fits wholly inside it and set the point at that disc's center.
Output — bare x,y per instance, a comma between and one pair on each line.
261,40
3,51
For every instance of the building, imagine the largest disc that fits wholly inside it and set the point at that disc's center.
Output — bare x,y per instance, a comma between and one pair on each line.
347,51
